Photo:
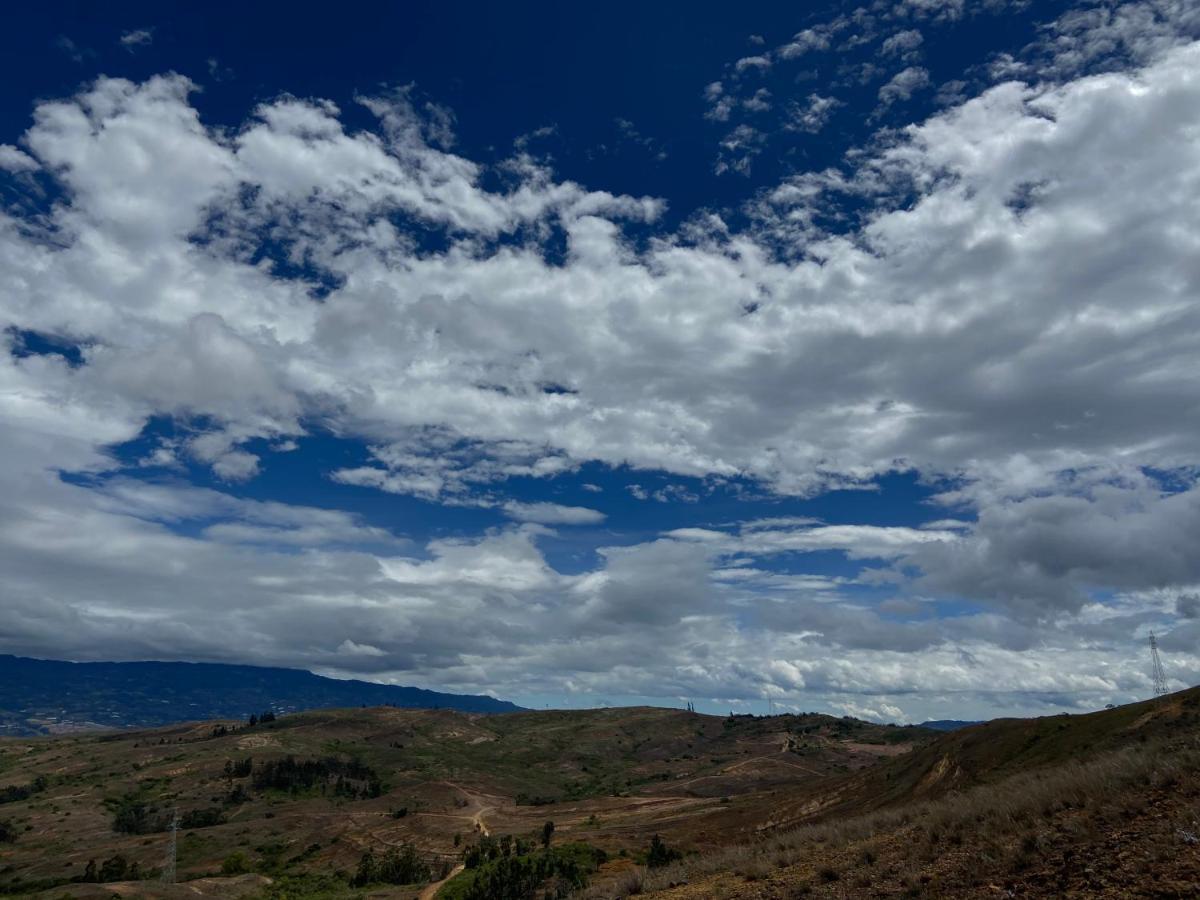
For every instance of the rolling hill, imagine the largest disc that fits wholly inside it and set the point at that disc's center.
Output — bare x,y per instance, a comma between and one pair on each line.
386,802
1103,804
308,794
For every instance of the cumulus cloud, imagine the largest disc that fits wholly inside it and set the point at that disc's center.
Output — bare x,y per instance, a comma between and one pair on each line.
552,513
902,43
139,37
904,84
14,160
812,115
1005,305
756,63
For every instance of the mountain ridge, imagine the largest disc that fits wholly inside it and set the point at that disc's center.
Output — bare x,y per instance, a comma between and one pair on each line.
41,696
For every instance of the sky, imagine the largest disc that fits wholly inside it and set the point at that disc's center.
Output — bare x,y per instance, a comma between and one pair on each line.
831,356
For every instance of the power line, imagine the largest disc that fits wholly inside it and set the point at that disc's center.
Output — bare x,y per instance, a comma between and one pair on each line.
1160,677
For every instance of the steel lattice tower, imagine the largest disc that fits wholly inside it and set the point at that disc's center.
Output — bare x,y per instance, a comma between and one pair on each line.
1160,677
168,872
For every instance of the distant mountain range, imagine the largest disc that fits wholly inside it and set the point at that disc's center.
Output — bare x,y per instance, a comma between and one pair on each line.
40,696
949,724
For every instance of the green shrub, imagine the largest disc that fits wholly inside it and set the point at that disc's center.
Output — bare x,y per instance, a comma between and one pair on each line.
236,863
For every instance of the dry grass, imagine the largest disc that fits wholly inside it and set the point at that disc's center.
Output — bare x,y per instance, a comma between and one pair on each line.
1004,823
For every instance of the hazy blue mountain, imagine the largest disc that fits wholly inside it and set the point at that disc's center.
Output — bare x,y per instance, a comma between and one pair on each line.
40,695
948,724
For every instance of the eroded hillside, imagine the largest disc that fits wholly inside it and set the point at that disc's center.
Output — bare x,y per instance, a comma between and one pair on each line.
1106,804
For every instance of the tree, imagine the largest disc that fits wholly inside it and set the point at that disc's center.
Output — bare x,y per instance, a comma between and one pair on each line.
547,833
89,872
660,854
115,868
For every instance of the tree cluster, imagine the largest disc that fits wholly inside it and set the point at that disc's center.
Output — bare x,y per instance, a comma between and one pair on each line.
14,793
201,818
549,872
134,815
400,865
115,868
346,778
489,848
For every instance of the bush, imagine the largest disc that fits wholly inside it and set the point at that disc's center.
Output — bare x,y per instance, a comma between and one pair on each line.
236,863
118,868
133,815
201,818
660,854
17,792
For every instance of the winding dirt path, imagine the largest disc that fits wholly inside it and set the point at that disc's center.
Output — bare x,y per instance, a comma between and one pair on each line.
774,758
476,822
430,892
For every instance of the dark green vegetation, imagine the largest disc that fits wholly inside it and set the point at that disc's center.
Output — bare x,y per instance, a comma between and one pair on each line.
348,778
509,870
46,696
397,865
660,854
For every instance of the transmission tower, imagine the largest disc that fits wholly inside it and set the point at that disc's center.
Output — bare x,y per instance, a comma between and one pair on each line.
168,872
1160,677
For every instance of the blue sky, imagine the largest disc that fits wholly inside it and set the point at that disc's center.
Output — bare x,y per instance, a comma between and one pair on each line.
839,355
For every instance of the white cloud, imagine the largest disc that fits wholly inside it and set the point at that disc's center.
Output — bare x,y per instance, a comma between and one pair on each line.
1012,309
139,37
904,84
757,63
552,513
902,43
813,115
463,343
14,160
807,41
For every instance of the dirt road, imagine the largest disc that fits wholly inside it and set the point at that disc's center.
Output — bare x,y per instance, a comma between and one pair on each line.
430,892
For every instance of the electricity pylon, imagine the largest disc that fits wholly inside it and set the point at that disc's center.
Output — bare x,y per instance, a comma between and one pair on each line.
168,872
1160,677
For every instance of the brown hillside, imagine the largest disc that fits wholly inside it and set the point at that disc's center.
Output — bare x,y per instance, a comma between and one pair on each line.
381,778
1105,804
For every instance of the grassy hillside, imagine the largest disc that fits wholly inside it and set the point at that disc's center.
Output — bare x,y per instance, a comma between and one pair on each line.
387,802
1106,804
307,795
